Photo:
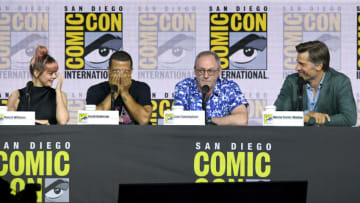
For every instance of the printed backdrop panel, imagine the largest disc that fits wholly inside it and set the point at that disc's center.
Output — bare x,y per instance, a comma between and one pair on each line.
255,41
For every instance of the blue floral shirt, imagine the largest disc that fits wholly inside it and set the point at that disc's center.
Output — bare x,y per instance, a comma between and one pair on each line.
225,98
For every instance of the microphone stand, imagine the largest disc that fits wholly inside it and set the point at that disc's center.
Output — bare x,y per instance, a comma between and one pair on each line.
300,91
204,90
113,89
28,95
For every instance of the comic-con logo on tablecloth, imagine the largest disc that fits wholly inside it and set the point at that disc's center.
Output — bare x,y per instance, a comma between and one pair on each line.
232,161
240,40
44,163
167,42
22,30
90,39
308,23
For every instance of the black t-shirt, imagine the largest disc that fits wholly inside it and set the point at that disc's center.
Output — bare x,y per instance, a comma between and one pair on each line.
42,101
140,92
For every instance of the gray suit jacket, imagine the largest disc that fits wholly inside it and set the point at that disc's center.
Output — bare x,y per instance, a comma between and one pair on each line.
336,98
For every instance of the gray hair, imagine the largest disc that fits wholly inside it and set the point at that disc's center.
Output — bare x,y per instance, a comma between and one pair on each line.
208,53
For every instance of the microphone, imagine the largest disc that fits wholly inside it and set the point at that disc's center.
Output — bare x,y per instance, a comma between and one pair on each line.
300,91
113,89
29,85
204,90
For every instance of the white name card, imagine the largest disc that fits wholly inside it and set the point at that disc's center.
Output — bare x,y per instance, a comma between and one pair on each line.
283,118
184,117
17,118
98,117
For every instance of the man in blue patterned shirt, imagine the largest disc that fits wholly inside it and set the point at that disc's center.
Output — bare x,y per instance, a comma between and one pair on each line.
225,104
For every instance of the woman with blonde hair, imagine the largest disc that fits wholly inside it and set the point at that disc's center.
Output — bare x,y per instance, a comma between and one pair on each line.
50,105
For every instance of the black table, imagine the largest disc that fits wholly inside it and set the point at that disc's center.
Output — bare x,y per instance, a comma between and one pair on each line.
89,162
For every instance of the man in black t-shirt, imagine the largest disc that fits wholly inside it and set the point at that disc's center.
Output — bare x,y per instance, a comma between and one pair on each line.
131,98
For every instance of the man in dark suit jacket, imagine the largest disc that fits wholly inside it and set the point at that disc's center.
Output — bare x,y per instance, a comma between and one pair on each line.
325,95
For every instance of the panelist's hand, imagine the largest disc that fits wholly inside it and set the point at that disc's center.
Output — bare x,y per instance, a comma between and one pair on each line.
320,118
42,122
125,83
114,79
60,81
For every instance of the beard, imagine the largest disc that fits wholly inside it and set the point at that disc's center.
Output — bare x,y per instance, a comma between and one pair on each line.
304,76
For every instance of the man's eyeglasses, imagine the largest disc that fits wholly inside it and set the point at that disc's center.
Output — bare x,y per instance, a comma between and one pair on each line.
210,72
121,71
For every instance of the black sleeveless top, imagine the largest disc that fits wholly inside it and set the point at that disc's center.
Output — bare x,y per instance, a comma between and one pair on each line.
42,101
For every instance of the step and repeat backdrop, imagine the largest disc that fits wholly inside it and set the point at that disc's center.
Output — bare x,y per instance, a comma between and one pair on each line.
256,42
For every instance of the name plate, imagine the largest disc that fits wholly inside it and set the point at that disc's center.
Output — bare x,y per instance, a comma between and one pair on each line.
283,118
17,118
184,118
98,117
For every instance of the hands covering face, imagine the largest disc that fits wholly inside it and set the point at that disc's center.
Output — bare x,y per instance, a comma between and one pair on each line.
121,80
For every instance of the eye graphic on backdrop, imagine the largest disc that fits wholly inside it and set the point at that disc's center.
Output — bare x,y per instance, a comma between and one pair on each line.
56,190
24,50
331,41
98,53
244,55
247,49
176,49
